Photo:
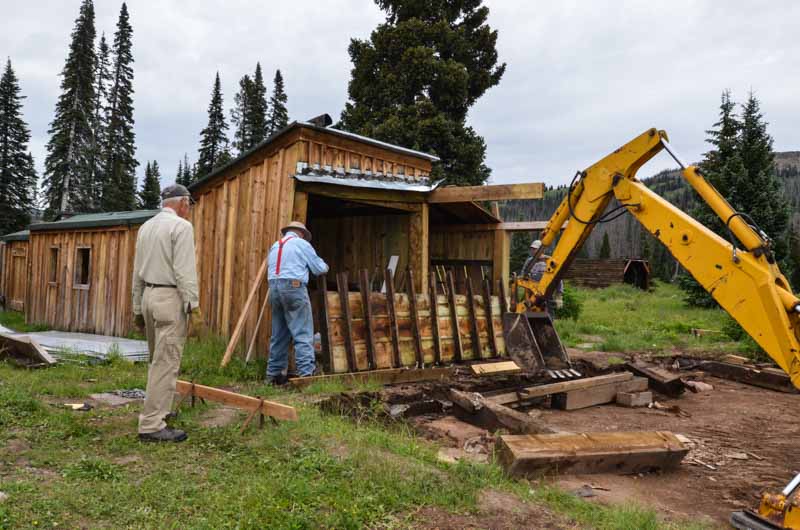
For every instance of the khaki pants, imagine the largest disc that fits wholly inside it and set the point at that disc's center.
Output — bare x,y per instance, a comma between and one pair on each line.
166,324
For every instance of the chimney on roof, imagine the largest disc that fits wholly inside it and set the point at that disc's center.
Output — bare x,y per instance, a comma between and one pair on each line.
323,120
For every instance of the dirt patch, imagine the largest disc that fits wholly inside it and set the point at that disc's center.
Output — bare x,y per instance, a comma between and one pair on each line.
497,511
448,430
218,417
127,460
17,445
733,429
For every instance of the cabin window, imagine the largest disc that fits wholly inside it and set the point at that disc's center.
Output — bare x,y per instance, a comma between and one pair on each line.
53,268
83,260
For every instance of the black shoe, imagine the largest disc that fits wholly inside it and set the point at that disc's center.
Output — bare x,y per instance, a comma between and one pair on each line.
164,435
276,380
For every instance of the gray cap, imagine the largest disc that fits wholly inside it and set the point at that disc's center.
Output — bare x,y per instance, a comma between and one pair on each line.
175,191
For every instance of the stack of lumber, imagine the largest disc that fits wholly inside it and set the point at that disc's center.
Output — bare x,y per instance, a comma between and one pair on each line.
595,273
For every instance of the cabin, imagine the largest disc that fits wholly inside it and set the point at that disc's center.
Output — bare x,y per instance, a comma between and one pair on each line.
14,270
598,273
80,272
371,206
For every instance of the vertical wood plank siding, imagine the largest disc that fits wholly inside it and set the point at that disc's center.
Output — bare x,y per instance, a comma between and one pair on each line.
14,273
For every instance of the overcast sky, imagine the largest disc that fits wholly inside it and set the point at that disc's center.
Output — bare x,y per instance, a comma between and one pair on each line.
583,76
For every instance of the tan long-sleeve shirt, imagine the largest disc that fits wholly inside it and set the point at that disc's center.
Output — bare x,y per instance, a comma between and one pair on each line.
165,256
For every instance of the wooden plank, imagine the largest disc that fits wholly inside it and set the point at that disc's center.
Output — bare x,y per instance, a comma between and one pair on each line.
501,256
415,333
598,395
365,288
278,411
475,337
502,367
344,192
497,192
487,309
24,347
237,331
386,376
394,331
458,352
324,324
344,299
434,309
515,226
531,455
554,388
503,297
764,378
473,408
661,380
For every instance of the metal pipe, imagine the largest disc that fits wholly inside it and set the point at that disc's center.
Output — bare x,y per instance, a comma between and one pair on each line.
791,486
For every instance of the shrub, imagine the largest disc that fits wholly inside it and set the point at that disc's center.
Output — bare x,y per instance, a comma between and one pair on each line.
572,306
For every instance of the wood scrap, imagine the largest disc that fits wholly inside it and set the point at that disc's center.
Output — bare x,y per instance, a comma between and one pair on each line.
531,392
473,408
764,378
661,380
267,408
496,368
24,351
597,395
532,455
386,376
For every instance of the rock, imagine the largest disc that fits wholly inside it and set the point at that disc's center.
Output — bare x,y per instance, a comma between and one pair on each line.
698,386
112,400
738,456
3,497
634,399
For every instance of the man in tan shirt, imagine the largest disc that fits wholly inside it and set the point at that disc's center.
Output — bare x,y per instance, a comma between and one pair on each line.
165,298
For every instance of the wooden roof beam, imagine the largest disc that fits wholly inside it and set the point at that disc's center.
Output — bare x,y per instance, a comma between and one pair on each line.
497,192
520,226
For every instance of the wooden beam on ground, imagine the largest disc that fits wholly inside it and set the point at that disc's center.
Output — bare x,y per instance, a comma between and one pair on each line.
497,192
473,408
502,367
232,399
366,304
415,332
554,388
325,324
437,342
458,352
475,337
597,395
531,455
347,317
771,378
487,309
394,330
24,351
385,377
661,380
237,331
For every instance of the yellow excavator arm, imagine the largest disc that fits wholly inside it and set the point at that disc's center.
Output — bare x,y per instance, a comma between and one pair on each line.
746,282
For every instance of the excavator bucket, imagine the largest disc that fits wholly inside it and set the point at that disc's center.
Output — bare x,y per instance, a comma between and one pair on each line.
533,343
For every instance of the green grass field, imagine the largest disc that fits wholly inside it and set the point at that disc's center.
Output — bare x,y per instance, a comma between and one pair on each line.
66,469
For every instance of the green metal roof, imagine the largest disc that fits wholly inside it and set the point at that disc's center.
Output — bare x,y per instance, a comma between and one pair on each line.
97,220
22,235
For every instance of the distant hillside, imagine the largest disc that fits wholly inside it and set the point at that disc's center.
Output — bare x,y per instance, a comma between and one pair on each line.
625,234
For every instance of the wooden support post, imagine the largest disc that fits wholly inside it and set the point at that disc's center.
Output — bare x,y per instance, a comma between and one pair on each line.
437,343
366,305
412,303
458,353
394,330
258,326
473,319
487,308
344,299
324,324
237,331
503,293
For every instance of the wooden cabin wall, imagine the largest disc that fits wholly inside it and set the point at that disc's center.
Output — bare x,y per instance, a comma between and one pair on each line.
462,245
361,242
104,307
14,274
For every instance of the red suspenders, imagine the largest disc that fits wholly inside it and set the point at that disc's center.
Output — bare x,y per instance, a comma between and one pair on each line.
281,242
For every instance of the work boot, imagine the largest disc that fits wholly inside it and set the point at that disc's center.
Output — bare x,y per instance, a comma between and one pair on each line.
164,435
276,380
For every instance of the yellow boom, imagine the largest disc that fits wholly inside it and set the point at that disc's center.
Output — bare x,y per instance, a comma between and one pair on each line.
746,282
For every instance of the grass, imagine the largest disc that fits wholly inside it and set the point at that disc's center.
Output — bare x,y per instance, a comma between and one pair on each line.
624,319
16,321
86,469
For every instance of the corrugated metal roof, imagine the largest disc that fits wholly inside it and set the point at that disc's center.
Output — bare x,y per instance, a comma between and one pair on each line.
22,235
335,132
97,220
363,179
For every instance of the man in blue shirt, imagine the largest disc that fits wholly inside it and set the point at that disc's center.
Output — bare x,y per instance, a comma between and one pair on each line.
290,260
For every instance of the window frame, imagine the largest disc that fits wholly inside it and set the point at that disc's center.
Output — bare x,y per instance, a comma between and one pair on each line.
78,269
53,268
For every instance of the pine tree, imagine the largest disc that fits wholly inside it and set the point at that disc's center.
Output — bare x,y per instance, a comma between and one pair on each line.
150,196
605,248
179,173
71,132
213,150
92,186
257,117
119,192
189,171
242,106
278,116
414,81
17,172
794,256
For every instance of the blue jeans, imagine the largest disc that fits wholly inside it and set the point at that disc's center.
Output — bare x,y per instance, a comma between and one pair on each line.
291,320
